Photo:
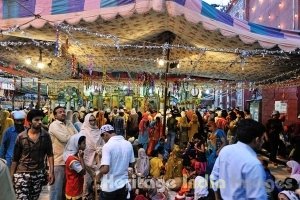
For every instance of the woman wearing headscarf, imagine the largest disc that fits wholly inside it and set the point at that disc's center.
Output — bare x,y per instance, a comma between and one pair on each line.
75,120
288,192
144,131
174,164
155,133
133,124
193,127
294,168
93,148
142,164
5,122
183,129
101,120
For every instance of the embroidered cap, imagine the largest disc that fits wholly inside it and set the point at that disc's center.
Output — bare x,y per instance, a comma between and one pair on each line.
106,128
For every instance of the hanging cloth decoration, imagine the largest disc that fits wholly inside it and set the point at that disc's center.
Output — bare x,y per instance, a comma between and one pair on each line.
103,75
74,66
57,46
90,66
64,48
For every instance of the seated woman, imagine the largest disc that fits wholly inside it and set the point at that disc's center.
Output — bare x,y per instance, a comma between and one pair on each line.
156,164
142,164
294,169
290,185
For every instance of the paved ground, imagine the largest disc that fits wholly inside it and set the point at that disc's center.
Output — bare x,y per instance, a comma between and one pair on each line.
280,172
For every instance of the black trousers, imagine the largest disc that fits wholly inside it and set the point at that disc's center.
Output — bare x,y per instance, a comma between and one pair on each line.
120,194
273,149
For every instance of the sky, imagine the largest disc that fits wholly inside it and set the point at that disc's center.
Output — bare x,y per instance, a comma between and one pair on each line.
220,2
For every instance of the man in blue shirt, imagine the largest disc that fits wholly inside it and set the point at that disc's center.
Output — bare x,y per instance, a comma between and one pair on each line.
10,136
237,173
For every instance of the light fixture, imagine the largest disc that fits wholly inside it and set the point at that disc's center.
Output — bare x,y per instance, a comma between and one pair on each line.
207,91
28,61
260,18
178,65
253,8
40,63
279,26
269,16
296,15
161,62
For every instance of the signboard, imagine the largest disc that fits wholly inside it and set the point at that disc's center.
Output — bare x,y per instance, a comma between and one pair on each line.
7,84
281,106
239,98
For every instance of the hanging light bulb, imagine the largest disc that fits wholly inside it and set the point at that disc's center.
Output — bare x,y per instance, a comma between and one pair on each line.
40,63
243,64
178,65
161,62
28,61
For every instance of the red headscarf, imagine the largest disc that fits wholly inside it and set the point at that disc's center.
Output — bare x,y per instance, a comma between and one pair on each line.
142,123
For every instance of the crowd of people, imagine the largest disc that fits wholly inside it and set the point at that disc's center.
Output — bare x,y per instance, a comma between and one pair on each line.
121,154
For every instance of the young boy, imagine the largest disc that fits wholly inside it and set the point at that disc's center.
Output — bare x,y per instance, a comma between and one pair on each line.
75,168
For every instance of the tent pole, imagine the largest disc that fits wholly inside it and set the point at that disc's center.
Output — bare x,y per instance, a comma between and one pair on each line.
171,38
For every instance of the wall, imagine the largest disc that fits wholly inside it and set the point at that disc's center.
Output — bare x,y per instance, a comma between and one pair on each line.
274,13
283,14
289,95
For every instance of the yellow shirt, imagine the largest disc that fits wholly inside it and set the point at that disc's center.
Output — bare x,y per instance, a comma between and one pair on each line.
155,165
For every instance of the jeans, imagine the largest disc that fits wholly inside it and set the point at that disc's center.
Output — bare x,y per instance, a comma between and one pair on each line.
171,139
57,190
120,194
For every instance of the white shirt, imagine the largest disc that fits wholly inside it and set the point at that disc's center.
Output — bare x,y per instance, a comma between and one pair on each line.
200,187
239,174
117,153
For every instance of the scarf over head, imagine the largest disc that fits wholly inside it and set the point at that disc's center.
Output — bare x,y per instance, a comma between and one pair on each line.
142,125
94,141
72,146
142,163
295,166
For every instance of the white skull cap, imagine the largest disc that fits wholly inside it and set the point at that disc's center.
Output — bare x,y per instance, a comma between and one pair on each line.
106,128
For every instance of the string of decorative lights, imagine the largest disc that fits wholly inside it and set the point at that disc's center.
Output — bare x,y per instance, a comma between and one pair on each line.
243,53
18,43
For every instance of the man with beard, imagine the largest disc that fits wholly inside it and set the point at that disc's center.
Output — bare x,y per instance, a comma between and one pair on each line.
10,136
60,131
28,167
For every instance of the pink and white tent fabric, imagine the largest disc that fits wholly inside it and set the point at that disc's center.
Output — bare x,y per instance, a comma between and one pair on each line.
23,14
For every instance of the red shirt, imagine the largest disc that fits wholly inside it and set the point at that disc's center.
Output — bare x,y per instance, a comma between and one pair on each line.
74,183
